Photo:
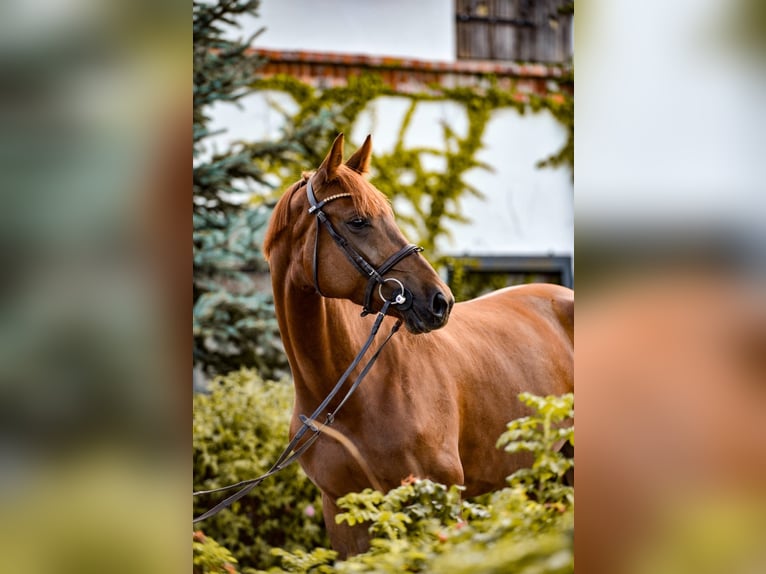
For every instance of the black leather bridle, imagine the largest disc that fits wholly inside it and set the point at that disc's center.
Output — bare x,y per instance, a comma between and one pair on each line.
375,276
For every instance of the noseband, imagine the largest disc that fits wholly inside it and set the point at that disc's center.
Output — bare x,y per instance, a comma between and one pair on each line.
375,276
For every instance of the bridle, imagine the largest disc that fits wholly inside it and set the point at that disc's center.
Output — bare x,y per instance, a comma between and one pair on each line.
375,276
402,298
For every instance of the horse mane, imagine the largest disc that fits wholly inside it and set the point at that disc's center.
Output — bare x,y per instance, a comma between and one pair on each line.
280,217
368,201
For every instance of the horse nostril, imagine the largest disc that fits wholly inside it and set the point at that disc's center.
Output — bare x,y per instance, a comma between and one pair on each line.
439,305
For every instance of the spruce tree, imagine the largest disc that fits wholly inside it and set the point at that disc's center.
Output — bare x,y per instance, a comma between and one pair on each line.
233,316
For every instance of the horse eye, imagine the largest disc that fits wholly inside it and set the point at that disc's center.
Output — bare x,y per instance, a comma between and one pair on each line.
358,223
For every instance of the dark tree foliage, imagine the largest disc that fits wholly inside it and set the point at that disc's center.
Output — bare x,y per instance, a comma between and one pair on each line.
234,322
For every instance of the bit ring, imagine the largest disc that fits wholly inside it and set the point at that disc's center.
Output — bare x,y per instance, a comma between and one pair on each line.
400,298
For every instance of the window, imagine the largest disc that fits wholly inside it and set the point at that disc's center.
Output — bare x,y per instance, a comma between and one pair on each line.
469,277
514,30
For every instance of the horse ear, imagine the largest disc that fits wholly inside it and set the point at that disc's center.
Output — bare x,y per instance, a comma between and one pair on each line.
360,161
334,159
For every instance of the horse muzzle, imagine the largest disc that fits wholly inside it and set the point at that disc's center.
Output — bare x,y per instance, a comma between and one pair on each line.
423,318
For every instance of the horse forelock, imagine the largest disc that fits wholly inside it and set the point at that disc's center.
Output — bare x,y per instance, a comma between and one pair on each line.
368,201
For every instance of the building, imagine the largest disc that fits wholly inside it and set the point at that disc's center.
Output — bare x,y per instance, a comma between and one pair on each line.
523,226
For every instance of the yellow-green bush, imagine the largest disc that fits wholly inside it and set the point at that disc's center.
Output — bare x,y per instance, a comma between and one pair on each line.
420,526
209,557
240,428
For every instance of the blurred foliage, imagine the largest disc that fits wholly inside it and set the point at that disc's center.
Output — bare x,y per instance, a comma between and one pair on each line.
467,284
745,28
209,557
540,434
234,322
229,318
240,429
420,526
468,280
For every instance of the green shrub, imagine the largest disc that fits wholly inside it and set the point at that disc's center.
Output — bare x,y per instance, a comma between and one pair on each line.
540,434
422,526
209,557
240,428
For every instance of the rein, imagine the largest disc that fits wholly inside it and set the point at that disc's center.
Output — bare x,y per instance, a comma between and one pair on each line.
403,298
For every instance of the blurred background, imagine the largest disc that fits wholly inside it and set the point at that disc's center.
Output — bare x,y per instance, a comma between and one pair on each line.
94,109
671,313
472,113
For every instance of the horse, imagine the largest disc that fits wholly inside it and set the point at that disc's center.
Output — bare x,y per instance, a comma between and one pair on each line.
444,388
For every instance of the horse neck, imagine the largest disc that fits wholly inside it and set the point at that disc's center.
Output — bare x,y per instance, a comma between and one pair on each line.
321,337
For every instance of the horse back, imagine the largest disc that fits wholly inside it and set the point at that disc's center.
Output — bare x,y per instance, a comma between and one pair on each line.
532,324
553,301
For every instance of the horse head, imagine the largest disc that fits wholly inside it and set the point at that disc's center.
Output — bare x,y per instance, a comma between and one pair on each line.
334,233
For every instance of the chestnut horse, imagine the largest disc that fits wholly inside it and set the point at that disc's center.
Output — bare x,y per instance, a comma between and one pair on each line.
442,391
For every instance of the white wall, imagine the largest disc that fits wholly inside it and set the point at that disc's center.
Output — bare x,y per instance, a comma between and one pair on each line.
525,211
423,29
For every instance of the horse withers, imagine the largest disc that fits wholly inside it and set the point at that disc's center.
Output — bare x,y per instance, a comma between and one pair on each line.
443,390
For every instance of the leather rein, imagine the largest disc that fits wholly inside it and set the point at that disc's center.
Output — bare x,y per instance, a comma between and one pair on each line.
401,298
